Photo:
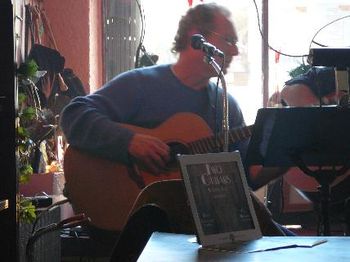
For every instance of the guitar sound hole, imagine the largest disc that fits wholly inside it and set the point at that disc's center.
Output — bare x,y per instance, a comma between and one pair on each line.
176,149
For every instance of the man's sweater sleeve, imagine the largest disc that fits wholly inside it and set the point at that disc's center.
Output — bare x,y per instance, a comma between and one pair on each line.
92,123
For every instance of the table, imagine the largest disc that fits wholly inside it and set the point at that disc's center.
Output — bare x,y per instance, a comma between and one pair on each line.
177,247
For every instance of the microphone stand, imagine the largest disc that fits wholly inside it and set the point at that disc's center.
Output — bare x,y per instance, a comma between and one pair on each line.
225,124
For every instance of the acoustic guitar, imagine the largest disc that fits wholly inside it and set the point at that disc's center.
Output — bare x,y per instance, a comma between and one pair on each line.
105,190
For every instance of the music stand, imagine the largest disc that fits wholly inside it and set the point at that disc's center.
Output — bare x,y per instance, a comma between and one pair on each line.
304,137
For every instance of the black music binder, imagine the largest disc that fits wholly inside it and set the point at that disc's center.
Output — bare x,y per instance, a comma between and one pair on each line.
315,135
304,137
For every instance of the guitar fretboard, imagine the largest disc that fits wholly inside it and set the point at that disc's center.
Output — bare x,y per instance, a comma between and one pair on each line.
216,143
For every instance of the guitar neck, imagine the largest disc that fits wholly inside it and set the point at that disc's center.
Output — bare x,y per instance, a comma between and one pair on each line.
216,143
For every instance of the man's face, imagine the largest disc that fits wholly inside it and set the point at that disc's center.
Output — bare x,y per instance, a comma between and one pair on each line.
224,37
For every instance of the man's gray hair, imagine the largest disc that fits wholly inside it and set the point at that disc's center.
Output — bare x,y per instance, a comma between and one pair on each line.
202,18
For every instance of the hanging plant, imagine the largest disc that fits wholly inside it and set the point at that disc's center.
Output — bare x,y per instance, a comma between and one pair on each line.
26,114
31,129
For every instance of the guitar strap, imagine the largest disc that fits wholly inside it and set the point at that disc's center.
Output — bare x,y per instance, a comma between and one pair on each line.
215,105
134,174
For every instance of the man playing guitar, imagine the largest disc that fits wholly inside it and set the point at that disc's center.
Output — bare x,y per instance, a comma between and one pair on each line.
177,103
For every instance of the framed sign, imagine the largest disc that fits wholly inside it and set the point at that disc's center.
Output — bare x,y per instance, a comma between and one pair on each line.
219,198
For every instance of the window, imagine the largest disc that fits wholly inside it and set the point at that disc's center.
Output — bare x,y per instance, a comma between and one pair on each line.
292,25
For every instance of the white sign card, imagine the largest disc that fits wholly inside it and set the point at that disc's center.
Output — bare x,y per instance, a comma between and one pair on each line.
219,197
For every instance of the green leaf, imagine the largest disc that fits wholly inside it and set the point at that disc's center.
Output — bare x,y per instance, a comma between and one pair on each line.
301,69
25,172
26,210
28,113
21,97
28,69
23,179
22,132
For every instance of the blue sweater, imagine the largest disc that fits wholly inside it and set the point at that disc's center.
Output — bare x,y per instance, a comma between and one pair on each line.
143,97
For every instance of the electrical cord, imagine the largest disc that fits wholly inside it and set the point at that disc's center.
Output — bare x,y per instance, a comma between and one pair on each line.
323,27
48,209
312,41
70,222
140,46
262,35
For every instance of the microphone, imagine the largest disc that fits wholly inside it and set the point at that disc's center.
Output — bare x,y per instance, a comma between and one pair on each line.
198,42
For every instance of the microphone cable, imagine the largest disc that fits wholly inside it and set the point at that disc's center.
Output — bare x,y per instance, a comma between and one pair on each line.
142,36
